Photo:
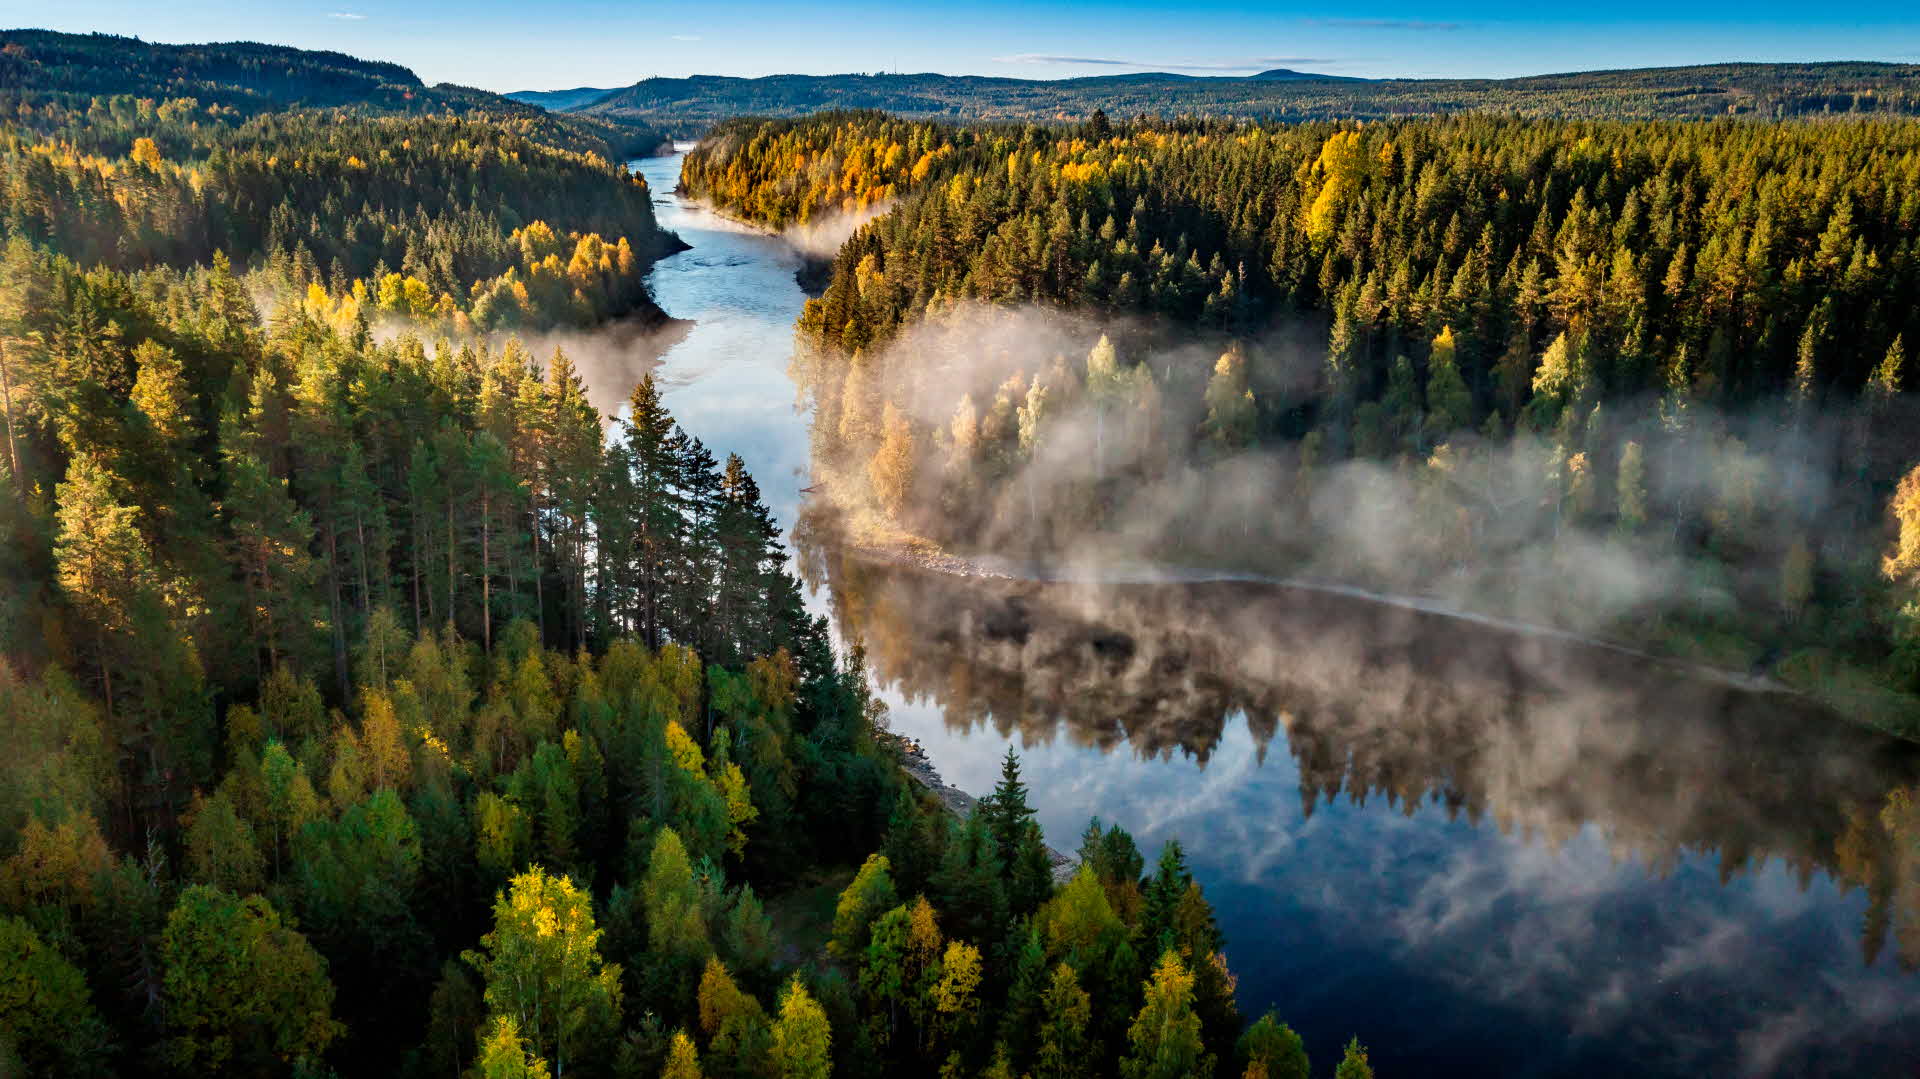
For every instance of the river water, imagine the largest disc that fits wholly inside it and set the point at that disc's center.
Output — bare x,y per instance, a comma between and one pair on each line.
1481,851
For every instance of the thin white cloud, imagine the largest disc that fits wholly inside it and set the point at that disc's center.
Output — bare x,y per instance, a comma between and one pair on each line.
350,16
1388,24
686,37
1251,63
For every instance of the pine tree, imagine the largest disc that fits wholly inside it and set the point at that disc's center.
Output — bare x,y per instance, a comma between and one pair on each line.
1231,414
1449,402
104,566
1887,377
969,884
1023,1011
1271,1050
1163,894
1007,811
653,441
1353,1065
1631,486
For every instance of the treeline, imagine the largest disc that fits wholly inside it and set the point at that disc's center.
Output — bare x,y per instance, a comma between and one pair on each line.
1769,91
100,83
789,172
435,216
340,184
1730,240
1656,334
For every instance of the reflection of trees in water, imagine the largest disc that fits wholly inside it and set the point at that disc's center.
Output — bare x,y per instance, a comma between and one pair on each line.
1539,734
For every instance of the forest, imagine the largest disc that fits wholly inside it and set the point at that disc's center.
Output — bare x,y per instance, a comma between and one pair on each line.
377,706
1643,378
689,106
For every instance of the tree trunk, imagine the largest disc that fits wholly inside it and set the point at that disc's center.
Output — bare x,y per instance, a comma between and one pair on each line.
339,614
266,609
106,669
253,606
450,552
360,537
539,594
486,574
13,447
414,552
580,582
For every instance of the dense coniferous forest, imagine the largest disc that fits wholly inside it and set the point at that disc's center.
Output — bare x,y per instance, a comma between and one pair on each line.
235,80
1685,342
376,706
689,106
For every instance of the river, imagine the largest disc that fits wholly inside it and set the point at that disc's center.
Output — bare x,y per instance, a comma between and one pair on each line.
1481,851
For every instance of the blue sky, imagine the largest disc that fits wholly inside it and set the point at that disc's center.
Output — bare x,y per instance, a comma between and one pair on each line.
501,45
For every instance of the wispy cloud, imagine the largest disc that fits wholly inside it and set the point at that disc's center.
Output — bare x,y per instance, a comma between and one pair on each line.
1389,24
686,37
350,16
1250,63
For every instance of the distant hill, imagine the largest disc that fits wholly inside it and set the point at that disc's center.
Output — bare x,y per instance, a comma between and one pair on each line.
1287,74
42,67
690,105
560,100
242,74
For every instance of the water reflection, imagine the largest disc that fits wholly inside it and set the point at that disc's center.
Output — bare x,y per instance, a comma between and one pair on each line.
1482,852
726,379
1477,848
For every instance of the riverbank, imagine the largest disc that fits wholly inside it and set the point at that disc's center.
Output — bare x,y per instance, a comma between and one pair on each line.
919,768
1798,677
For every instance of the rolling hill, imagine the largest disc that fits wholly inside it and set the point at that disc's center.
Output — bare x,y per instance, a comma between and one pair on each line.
689,105
242,79
561,100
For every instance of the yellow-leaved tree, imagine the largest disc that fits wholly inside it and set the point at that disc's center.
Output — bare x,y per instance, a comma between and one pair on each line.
802,1038
1902,567
543,970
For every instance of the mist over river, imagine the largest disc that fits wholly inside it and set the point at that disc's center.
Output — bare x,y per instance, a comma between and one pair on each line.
1482,851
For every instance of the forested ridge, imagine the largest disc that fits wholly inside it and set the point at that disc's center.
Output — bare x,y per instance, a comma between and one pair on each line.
234,80
377,706
689,106
1687,340
455,207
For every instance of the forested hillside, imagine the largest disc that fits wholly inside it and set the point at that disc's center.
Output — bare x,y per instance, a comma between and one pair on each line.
689,106
377,706
461,209
1684,343
235,80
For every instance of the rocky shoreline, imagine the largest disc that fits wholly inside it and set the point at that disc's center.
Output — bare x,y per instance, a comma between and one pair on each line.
914,761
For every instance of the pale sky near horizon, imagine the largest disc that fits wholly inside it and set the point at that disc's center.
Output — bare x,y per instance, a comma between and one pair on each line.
500,45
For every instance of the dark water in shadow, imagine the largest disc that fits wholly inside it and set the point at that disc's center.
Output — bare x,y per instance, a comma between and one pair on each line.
1481,851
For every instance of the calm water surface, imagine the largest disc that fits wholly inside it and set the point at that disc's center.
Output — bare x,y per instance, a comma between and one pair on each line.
1482,853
